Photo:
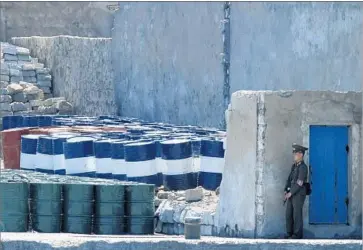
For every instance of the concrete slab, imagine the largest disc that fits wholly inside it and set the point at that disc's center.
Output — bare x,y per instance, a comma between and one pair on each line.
27,241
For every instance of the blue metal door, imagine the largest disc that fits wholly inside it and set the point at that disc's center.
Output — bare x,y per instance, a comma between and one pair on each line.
328,162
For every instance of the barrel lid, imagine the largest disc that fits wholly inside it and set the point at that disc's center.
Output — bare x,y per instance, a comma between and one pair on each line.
80,139
175,141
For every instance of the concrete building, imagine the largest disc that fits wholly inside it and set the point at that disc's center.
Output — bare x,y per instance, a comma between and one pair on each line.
261,128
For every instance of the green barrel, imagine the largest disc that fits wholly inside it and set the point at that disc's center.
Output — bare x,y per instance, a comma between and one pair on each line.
140,208
109,209
78,207
46,207
14,206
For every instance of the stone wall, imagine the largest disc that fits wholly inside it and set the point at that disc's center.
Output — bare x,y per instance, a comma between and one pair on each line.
87,19
81,70
261,128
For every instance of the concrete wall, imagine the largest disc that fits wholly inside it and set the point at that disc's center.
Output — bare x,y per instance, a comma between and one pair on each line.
167,56
89,19
81,70
302,46
282,119
167,61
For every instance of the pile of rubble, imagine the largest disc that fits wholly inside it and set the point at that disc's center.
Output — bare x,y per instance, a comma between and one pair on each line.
26,85
174,207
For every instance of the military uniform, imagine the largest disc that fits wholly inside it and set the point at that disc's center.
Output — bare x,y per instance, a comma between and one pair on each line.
294,205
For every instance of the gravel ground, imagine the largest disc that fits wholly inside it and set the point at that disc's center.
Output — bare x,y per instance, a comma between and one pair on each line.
27,241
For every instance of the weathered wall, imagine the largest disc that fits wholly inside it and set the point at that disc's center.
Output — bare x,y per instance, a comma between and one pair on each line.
282,119
167,61
168,56
88,19
81,70
302,46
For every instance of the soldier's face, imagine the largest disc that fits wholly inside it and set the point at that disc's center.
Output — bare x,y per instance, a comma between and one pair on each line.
298,156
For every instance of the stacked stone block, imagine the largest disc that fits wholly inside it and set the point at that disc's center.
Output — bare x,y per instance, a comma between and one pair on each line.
26,85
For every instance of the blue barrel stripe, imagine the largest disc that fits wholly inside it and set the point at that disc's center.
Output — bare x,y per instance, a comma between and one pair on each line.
78,147
212,148
176,149
45,145
102,148
29,144
142,151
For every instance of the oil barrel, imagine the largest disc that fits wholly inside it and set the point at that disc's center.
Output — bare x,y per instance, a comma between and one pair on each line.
109,209
14,210
211,163
78,207
46,207
139,208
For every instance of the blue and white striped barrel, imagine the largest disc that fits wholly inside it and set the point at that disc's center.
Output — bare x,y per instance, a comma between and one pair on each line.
160,164
118,159
211,163
140,162
28,155
58,153
44,157
103,155
30,121
177,155
79,156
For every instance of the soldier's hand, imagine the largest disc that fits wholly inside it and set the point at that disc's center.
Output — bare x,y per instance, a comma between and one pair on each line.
288,195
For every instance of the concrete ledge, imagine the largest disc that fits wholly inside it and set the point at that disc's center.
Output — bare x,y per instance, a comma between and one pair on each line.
27,241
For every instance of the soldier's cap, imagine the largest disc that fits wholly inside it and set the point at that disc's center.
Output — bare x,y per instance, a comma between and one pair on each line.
298,148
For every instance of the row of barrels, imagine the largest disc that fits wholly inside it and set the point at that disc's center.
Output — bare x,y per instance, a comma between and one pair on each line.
168,162
74,205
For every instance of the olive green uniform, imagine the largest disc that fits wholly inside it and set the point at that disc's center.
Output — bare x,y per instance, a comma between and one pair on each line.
294,205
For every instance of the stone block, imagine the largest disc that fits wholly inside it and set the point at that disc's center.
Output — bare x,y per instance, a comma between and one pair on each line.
159,227
31,97
5,78
4,91
208,218
25,58
44,77
19,97
22,51
8,57
44,83
4,71
28,106
15,72
163,195
29,66
29,73
195,194
31,79
157,201
166,213
16,79
18,106
31,89
5,113
64,108
178,209
10,50
14,88
47,110
168,228
178,229
52,101
5,98
25,84
46,90
44,71
5,106
36,103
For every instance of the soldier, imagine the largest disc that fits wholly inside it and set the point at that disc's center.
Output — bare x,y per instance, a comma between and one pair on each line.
295,194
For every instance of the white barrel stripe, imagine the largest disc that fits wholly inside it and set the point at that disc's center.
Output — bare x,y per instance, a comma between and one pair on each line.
104,165
140,168
211,164
176,167
80,165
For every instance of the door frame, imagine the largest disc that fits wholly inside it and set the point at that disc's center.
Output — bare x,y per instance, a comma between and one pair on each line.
348,127
353,161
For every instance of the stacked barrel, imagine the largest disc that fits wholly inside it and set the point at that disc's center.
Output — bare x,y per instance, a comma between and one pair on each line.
46,207
140,209
14,211
109,209
78,208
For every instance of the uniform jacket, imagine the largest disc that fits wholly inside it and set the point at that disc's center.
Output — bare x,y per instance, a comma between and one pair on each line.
299,171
